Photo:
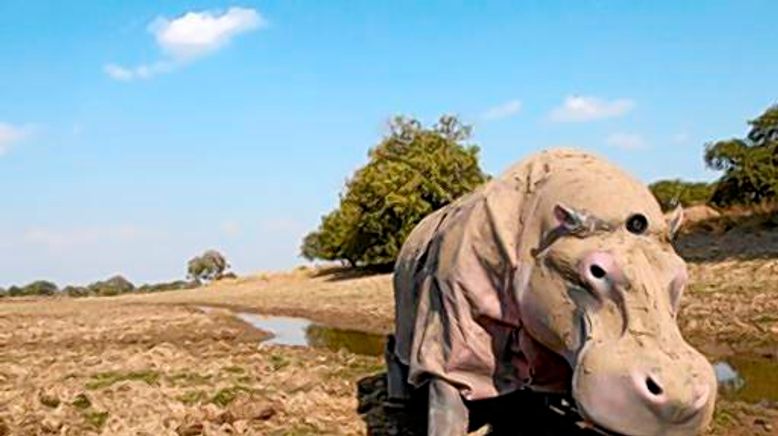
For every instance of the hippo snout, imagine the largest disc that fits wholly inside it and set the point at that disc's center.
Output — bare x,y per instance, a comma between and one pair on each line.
672,402
639,389
635,374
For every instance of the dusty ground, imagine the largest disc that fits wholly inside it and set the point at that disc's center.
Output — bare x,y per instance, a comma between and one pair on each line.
154,365
105,367
338,299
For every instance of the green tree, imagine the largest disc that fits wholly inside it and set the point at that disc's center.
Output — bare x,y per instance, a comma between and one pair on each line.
211,265
113,286
76,291
750,164
671,193
413,171
40,287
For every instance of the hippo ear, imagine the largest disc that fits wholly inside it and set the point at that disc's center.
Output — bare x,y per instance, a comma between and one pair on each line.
569,218
675,220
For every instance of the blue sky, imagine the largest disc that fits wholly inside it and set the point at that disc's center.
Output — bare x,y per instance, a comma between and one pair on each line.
134,135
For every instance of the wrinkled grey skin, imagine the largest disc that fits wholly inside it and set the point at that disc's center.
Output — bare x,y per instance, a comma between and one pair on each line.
593,287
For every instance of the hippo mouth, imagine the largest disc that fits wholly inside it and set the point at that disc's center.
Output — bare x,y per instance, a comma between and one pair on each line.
639,398
564,406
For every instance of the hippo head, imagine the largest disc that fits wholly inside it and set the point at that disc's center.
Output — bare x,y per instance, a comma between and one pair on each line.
602,290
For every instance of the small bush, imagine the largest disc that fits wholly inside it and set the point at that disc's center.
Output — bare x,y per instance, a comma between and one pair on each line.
76,291
210,266
671,193
167,286
114,286
40,287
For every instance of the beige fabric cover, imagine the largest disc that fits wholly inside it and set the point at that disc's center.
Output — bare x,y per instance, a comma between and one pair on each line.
456,277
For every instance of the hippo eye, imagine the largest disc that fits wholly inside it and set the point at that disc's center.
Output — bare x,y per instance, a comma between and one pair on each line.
597,271
637,224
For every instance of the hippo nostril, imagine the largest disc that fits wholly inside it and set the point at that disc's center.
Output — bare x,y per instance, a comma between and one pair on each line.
653,387
597,271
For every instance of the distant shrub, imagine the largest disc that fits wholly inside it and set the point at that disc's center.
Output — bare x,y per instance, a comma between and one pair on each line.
76,291
36,288
40,287
210,266
671,193
119,285
116,285
169,286
113,286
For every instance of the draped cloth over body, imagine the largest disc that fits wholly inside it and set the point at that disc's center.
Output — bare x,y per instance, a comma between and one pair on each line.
459,272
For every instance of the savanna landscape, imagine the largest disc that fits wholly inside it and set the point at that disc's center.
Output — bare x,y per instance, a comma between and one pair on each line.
186,357
183,358
135,134
156,363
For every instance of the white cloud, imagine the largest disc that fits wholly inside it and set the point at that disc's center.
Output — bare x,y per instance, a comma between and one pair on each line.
582,108
626,141
189,37
198,33
123,74
117,72
10,135
504,110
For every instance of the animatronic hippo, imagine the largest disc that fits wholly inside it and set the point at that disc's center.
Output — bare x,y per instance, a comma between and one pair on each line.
558,276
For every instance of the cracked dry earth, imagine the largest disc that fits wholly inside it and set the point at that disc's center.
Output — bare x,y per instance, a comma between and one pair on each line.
83,367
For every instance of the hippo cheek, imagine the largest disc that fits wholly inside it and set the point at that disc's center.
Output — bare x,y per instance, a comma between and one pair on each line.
642,392
551,318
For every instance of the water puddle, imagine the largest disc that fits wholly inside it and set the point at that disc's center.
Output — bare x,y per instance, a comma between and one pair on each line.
357,342
286,330
746,378
750,379
304,332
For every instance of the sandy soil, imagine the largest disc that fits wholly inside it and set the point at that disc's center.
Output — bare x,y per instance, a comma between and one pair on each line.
155,365
105,367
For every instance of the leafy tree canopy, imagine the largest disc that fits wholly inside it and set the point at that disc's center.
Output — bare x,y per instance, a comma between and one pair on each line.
413,171
750,164
211,265
671,193
40,287
113,286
